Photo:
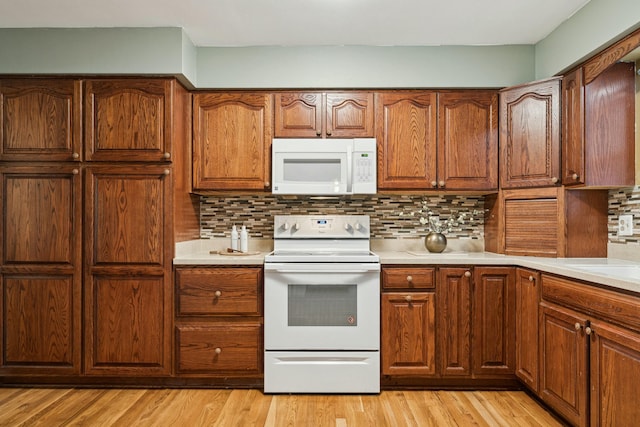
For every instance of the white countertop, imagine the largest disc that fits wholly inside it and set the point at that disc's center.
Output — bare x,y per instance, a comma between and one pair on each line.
614,273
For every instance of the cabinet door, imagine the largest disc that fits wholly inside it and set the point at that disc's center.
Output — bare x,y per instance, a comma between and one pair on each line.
408,333
128,120
298,114
527,300
349,114
530,135
454,320
573,128
40,119
406,135
564,362
468,140
128,298
493,321
232,141
40,299
615,375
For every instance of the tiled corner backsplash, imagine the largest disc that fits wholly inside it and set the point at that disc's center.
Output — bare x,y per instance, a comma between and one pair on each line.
622,202
391,215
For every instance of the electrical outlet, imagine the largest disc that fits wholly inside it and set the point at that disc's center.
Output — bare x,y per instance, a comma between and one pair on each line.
625,225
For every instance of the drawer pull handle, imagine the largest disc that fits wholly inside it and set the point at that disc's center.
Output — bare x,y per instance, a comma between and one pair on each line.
218,294
218,350
409,279
578,326
408,298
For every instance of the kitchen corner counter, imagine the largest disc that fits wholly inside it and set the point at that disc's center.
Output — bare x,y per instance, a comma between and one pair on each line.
198,252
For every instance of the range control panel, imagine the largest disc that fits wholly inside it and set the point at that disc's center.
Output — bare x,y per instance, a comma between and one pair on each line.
321,227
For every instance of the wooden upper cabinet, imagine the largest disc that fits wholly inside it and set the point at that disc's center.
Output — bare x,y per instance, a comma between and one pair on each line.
128,120
324,115
40,119
599,127
530,135
468,140
232,135
406,124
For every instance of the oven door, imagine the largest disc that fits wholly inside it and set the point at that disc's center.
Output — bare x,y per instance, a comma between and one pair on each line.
322,306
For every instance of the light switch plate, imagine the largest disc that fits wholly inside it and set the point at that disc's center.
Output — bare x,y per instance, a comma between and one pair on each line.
625,225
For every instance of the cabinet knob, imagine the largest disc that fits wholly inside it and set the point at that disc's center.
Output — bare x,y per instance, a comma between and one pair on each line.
166,155
166,172
575,176
554,180
75,155
531,278
328,132
218,294
434,184
75,171
267,184
409,279
441,184
467,274
218,350
578,326
408,298
318,132
588,330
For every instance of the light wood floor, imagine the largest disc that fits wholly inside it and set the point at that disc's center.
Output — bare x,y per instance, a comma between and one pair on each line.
210,407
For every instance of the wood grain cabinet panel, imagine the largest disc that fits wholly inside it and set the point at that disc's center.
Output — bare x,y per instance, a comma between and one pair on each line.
406,124
220,349
40,119
598,127
409,278
324,115
527,299
468,140
454,320
615,375
128,294
218,323
232,135
408,334
564,375
222,291
493,308
41,268
530,135
128,119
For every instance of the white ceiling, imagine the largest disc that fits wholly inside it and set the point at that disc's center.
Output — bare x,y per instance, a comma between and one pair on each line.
309,22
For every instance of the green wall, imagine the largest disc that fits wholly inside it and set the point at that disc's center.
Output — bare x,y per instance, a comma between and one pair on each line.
168,51
594,26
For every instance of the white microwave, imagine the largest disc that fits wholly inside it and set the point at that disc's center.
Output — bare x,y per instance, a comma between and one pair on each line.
324,167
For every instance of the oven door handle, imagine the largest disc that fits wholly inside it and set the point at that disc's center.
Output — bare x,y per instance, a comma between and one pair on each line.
324,271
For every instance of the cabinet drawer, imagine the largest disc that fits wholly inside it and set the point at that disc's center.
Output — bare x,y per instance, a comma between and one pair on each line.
617,307
408,278
219,348
219,291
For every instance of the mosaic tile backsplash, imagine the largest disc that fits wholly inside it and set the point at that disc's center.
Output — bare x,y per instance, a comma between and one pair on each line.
392,216
622,202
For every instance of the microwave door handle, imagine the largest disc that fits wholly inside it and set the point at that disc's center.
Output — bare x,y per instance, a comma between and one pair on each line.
349,169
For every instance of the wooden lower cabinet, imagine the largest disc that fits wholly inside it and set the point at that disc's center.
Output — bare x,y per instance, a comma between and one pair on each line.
454,321
526,306
493,328
218,322
564,376
408,333
615,375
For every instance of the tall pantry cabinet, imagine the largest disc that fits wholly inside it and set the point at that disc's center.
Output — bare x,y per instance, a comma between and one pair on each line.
94,193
